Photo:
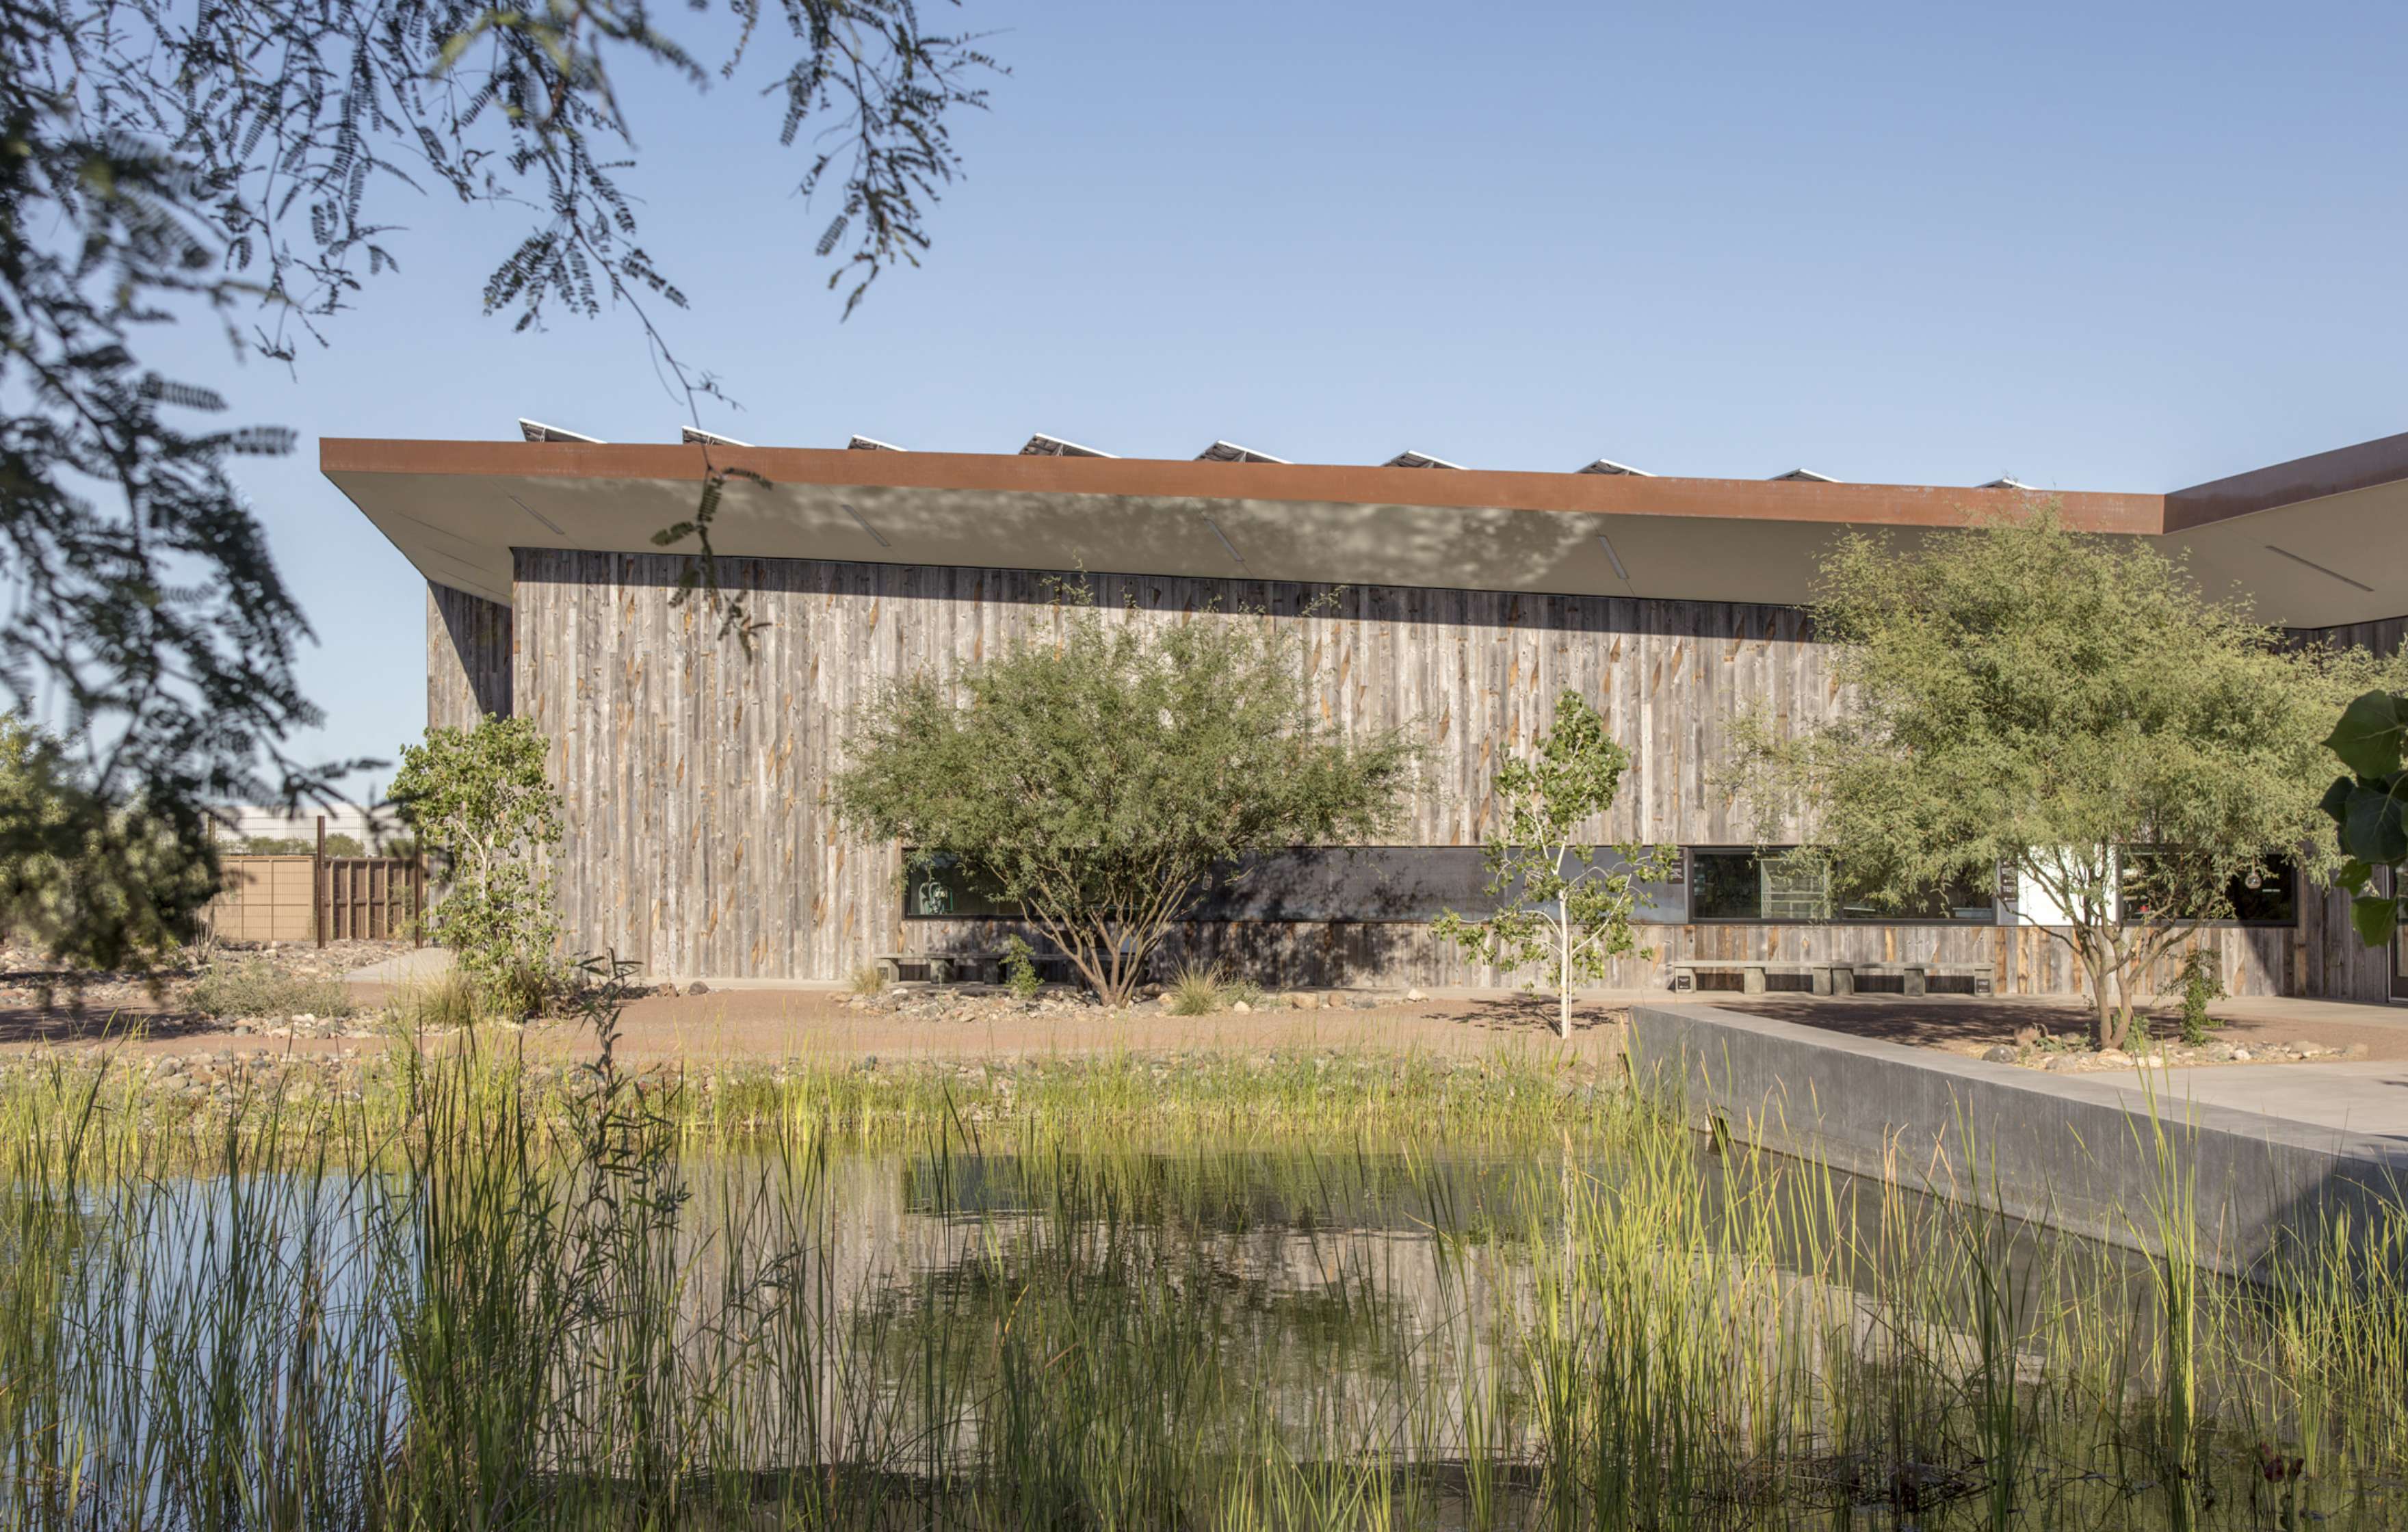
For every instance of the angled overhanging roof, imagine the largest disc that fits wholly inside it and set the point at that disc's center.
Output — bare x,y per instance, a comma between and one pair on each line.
2319,543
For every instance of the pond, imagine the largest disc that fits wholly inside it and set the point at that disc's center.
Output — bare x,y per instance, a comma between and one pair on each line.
493,1321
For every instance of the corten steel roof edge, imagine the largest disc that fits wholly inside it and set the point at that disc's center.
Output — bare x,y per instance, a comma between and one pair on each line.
1737,500
2363,466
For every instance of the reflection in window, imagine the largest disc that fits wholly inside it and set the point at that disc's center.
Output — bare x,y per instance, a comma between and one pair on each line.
2267,896
936,887
1743,885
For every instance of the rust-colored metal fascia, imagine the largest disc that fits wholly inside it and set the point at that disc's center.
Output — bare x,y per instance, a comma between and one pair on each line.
1741,499
2382,461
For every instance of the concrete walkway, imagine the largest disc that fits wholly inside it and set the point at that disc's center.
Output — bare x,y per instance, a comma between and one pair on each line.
2360,1098
421,962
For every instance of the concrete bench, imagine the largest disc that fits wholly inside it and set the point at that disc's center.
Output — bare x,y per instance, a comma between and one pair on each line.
1830,978
943,967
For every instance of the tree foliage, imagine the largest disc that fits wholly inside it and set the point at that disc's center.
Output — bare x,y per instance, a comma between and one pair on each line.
166,160
2066,706
1099,775
94,885
1557,906
2368,806
479,800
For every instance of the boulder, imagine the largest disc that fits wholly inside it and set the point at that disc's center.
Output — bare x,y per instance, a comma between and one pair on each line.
1999,1052
1415,995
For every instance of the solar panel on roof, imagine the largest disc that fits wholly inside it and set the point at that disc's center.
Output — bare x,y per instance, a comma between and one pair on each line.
1229,452
1803,475
871,444
1410,459
1042,445
694,435
538,431
1607,465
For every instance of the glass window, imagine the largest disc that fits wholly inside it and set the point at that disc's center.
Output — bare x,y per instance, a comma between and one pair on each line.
2267,896
1731,883
936,887
1371,884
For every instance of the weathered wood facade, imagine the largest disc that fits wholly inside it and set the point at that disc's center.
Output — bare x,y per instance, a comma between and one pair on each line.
467,657
700,842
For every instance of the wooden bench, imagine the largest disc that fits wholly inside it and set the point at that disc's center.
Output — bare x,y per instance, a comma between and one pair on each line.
1831,978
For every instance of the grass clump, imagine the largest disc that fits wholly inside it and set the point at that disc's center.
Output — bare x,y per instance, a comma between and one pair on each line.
448,1004
1196,989
870,978
254,987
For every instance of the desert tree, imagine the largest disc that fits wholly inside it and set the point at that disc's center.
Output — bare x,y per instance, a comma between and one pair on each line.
240,163
1098,774
1560,908
2068,708
480,799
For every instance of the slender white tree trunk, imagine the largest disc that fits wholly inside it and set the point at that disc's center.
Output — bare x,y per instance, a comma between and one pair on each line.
1564,975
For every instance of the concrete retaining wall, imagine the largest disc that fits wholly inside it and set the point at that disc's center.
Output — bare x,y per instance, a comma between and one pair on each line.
2077,1153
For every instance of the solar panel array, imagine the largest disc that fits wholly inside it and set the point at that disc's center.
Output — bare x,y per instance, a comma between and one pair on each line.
1045,445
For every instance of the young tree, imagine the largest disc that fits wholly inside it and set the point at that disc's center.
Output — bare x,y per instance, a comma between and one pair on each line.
1557,906
237,163
2065,706
479,798
1097,776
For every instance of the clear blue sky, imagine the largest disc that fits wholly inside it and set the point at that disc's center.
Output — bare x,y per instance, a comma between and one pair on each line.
2096,247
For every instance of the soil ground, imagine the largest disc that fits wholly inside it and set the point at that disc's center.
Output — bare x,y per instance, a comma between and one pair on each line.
727,1027
734,1026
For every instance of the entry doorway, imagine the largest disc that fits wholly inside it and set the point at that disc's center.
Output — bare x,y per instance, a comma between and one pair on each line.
2399,949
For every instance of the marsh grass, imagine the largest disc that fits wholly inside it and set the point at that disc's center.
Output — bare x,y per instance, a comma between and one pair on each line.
1449,1298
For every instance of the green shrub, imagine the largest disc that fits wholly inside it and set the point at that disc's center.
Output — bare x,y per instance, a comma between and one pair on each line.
257,988
1019,969
2201,986
479,797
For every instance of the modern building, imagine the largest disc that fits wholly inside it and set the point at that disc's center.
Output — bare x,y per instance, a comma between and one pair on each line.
695,766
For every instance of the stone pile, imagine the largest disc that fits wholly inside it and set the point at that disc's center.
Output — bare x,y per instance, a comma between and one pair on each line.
2179,1055
981,1002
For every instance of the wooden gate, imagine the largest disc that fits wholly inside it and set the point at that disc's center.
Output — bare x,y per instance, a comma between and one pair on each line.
319,900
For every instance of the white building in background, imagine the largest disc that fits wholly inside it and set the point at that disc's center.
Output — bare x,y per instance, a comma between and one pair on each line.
369,825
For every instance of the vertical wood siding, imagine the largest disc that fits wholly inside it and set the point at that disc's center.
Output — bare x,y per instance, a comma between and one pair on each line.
699,839
467,657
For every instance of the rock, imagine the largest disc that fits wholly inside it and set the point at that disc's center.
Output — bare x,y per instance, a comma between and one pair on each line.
1367,1002
2310,1050
2111,1058
1242,1008
1301,1001
698,987
1415,995
1999,1052
2242,1056
165,1066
